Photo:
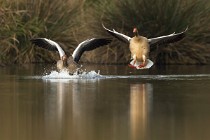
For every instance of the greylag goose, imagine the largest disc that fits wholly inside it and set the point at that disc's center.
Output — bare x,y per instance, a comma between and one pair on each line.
72,61
140,46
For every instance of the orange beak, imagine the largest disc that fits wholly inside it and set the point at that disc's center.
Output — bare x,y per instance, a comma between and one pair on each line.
63,57
134,30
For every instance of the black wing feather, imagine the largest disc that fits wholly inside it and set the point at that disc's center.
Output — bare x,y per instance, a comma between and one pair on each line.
89,45
167,39
42,43
95,43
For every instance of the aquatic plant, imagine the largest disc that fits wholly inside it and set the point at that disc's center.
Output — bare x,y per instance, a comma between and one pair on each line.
155,18
71,21
22,20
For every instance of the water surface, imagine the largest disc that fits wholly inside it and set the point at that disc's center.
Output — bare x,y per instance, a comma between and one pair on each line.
120,103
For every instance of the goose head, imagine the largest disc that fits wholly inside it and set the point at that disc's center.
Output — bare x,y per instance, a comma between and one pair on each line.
64,60
135,32
64,57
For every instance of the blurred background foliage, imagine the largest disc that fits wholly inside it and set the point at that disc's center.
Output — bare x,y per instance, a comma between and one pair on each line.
69,22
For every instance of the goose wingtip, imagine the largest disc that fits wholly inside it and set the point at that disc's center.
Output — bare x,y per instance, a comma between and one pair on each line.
35,39
103,25
108,40
31,39
186,29
106,28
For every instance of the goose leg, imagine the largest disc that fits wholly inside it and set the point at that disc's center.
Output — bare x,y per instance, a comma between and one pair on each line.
134,62
144,62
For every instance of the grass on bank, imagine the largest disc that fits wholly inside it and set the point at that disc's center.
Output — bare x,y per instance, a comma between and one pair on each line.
156,18
71,21
22,20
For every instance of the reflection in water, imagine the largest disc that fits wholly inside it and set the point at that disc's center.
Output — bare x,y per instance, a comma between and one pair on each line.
140,104
81,109
69,116
56,92
126,108
83,117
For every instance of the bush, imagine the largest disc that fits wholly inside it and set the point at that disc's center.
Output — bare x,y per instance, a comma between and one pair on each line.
23,19
155,18
71,21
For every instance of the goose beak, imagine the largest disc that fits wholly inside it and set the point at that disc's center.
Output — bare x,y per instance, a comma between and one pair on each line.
135,30
64,57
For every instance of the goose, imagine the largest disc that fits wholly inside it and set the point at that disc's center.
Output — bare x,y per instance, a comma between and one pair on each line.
71,61
140,46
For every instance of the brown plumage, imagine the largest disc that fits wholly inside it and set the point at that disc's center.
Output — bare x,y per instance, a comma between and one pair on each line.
140,46
70,63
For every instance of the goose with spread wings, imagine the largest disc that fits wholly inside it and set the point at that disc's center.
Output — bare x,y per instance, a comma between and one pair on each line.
140,46
66,62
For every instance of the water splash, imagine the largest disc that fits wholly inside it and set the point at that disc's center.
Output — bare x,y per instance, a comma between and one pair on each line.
66,75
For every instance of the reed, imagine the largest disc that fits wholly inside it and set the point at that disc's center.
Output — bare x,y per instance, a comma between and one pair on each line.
155,18
22,20
71,21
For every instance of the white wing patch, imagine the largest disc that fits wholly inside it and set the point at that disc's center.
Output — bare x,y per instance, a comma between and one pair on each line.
117,33
79,46
53,43
154,40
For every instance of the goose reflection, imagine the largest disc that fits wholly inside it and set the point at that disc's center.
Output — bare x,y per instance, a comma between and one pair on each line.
68,105
57,91
140,106
62,88
79,106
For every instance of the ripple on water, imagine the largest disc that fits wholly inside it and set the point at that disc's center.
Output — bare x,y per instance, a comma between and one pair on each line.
66,75
96,75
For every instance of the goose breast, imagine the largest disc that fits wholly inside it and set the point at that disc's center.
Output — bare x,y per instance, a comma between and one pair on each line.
139,46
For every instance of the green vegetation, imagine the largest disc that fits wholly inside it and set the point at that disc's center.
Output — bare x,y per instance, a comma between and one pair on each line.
161,17
69,22
22,20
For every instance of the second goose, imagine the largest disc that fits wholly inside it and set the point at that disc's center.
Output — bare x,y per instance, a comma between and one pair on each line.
140,46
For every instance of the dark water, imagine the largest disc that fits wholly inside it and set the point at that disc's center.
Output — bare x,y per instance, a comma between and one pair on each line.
162,103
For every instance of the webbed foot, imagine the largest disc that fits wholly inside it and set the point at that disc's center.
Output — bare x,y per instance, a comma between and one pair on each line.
141,65
131,66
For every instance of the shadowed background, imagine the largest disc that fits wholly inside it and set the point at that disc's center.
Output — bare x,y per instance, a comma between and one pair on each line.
69,22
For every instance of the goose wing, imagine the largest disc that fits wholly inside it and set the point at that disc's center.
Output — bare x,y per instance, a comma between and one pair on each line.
48,44
167,39
88,45
120,36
